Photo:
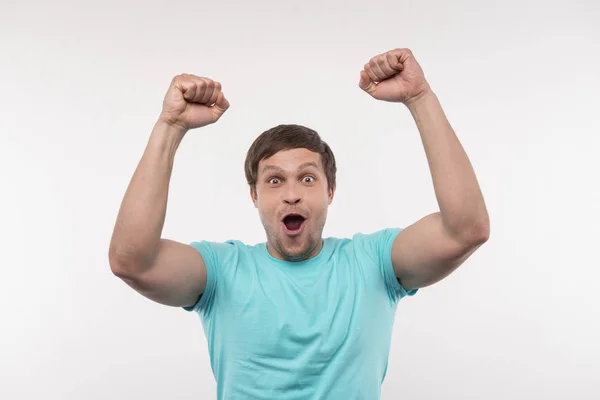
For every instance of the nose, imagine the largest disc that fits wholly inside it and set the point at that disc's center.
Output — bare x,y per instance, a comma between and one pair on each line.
292,200
292,195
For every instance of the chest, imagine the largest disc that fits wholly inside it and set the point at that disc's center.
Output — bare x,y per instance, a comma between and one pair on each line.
280,317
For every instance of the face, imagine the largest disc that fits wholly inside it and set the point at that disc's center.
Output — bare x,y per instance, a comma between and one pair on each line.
292,199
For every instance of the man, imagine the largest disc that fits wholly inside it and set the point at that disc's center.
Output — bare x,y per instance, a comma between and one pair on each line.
299,316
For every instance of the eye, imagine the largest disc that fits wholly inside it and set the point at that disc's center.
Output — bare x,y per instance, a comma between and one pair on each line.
308,179
274,181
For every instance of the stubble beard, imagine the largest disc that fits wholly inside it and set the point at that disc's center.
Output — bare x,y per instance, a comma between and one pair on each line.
310,242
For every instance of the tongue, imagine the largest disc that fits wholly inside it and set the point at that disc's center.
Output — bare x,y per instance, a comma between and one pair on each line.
293,223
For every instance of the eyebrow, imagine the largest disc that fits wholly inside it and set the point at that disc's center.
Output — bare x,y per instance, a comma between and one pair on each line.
300,167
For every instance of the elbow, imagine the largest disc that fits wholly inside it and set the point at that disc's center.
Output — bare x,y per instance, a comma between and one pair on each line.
480,238
124,264
119,267
120,271
480,232
485,235
475,233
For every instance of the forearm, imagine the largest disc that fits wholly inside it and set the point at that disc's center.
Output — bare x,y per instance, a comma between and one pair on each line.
459,196
141,217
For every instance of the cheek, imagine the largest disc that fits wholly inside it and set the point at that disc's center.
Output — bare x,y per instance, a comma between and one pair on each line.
322,214
266,211
320,207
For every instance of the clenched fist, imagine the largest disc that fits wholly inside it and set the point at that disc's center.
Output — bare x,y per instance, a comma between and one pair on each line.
192,102
394,76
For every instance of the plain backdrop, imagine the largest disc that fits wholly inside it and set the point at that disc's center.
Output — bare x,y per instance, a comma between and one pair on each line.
81,87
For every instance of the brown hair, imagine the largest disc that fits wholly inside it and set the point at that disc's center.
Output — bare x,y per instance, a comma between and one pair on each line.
286,137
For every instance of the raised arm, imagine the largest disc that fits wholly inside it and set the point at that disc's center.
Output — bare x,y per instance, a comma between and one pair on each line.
436,245
163,270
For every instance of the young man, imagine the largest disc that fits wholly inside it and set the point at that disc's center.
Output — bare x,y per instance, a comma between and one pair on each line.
299,316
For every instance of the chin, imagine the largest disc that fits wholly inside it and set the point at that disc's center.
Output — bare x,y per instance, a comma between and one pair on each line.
296,255
295,251
298,251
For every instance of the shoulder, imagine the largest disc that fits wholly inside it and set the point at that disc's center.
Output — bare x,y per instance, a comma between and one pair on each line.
376,236
222,252
226,245
372,243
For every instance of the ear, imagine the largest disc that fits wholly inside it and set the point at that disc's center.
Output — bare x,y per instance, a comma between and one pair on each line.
330,193
254,196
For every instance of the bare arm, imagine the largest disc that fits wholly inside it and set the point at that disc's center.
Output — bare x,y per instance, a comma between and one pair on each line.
433,247
436,245
167,272
163,270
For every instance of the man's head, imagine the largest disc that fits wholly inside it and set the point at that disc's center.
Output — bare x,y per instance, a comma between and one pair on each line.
291,173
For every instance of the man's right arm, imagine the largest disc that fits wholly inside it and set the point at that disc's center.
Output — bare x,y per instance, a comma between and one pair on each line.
163,270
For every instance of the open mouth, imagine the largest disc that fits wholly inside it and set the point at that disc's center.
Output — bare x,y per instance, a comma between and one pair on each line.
293,223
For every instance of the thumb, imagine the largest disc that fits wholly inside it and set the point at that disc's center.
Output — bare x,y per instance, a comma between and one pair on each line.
220,106
366,83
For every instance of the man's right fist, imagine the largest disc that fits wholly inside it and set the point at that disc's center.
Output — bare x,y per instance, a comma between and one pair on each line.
192,102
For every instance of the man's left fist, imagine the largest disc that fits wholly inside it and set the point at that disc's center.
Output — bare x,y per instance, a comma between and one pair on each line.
394,76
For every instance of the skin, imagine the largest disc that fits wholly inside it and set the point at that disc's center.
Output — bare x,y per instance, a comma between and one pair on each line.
292,181
436,245
425,252
163,270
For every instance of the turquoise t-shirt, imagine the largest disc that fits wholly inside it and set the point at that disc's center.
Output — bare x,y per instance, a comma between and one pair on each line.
315,329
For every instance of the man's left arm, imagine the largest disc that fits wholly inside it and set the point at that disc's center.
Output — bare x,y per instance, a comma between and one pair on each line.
436,245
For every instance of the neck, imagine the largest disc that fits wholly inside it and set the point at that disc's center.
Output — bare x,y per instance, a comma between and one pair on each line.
310,253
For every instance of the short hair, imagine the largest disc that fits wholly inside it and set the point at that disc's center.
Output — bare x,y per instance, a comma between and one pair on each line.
287,137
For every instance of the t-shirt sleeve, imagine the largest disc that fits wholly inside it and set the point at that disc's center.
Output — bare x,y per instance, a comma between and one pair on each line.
380,244
216,256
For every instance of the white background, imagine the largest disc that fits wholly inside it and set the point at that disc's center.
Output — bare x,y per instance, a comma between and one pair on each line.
82,85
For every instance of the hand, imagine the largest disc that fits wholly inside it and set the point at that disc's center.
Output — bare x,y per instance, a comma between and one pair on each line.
394,76
192,102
